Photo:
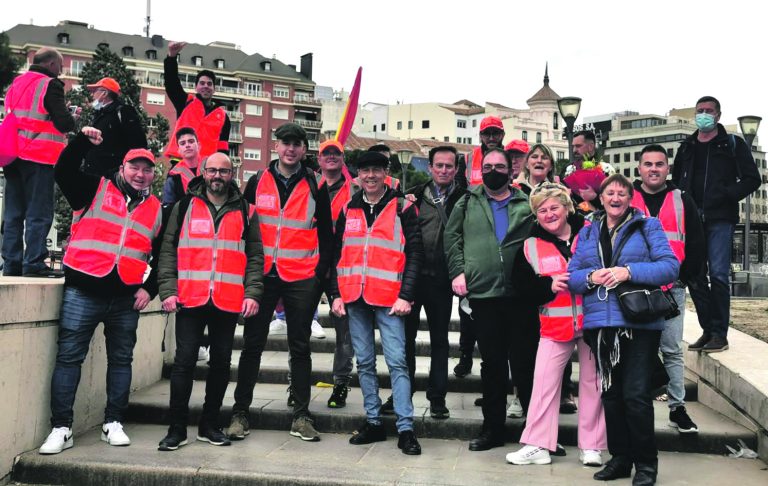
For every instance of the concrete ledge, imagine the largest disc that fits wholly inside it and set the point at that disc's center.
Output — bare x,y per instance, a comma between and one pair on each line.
733,382
28,343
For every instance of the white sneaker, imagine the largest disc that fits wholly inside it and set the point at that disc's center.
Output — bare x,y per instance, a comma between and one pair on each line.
278,327
591,457
202,354
515,409
529,455
317,330
59,439
112,433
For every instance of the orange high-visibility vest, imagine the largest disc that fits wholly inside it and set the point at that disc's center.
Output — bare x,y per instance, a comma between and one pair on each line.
211,261
184,171
372,259
340,199
108,236
563,316
475,168
289,234
207,127
39,140
672,218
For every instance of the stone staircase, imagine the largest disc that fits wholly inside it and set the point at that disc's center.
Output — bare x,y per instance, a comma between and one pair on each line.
281,459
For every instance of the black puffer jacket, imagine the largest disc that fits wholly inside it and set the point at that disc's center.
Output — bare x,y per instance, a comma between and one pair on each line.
414,248
731,174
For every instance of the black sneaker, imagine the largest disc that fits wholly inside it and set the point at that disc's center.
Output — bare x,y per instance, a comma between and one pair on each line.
339,396
715,345
568,404
388,407
212,435
479,402
408,444
291,399
464,367
176,437
45,273
679,419
700,343
368,433
438,410
559,451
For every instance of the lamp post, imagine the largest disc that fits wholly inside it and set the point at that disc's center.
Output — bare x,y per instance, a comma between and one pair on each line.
749,125
405,159
569,109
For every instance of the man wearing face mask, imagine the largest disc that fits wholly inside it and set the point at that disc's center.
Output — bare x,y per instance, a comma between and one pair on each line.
120,128
718,171
482,237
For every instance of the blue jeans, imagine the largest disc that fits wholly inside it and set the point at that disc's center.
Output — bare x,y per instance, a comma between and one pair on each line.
343,354
27,216
362,318
713,299
80,314
672,351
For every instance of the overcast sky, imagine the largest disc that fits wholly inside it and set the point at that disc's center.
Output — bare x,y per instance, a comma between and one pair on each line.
647,56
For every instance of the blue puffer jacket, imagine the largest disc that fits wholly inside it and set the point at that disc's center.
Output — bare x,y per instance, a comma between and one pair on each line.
656,265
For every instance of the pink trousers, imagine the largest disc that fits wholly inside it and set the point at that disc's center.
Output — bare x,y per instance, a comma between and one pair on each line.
544,410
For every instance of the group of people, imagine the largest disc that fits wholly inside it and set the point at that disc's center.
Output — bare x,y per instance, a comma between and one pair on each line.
534,263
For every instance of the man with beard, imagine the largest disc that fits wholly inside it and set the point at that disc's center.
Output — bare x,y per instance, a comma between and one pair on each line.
584,150
211,270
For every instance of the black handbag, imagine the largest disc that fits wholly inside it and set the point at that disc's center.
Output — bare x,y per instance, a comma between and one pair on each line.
641,303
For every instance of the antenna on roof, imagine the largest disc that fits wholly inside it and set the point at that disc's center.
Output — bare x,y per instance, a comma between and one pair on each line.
148,19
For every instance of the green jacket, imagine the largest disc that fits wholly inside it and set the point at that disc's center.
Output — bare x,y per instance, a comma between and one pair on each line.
254,252
471,246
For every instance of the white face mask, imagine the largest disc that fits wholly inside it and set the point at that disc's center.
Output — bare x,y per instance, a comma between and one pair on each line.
97,105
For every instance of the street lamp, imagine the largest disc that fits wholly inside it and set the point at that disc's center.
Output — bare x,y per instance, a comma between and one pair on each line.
405,160
749,125
569,109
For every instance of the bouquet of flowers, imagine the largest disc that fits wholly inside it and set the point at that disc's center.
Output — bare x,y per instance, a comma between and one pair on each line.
590,175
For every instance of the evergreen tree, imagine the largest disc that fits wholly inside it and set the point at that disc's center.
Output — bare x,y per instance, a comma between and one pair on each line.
9,63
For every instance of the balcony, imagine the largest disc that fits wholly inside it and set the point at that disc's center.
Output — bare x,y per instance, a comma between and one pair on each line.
235,115
309,123
313,144
235,138
71,73
306,100
236,161
231,90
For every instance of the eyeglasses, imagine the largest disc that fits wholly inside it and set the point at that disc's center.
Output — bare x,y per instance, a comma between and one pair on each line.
331,153
497,168
210,171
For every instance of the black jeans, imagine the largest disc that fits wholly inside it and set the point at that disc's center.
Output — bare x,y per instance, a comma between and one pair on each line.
437,300
467,335
628,403
300,300
190,325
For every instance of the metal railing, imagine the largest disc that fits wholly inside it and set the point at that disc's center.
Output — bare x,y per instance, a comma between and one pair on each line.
306,100
235,115
313,144
308,123
236,161
235,138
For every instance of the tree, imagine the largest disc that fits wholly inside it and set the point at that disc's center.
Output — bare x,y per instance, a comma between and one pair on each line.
106,63
9,62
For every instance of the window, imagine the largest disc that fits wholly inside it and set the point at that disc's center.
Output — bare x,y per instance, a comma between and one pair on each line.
280,113
474,123
560,155
151,54
253,89
128,51
410,124
616,158
626,157
446,139
525,135
538,137
273,136
272,155
197,61
156,99
461,123
383,127
63,38
247,174
252,154
424,123
151,122
626,172
254,110
469,140
670,152
399,125
77,67
374,129
253,132
637,156
458,139
281,92
219,63
555,120
637,172
267,65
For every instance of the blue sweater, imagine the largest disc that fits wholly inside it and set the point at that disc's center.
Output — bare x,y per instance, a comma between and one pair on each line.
656,265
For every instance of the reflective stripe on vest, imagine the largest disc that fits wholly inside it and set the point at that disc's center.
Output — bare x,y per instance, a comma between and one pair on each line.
562,317
340,199
372,259
211,261
672,218
39,140
184,172
207,128
289,233
474,168
107,235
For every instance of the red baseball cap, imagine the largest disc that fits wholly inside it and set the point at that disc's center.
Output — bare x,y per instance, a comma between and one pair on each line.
139,153
517,146
331,143
107,83
491,122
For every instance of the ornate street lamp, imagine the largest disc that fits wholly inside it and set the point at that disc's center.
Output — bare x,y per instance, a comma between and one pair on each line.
405,159
749,125
569,109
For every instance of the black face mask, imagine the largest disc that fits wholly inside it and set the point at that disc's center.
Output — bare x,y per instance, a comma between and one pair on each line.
495,180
